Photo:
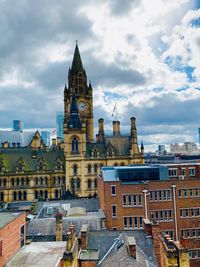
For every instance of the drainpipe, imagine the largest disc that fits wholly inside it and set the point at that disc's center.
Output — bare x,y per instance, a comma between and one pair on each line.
145,202
173,186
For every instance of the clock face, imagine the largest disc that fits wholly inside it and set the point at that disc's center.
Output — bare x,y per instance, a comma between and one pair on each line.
82,106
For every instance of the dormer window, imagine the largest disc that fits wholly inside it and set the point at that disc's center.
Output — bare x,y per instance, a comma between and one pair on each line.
20,166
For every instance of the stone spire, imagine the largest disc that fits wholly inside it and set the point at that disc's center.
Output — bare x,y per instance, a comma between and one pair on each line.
76,63
74,121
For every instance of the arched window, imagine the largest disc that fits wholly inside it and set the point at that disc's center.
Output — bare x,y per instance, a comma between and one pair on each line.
22,181
95,167
12,182
46,180
122,164
14,195
116,164
75,169
20,195
41,194
36,181
41,180
95,183
27,181
4,182
89,168
36,194
89,183
46,194
25,195
72,183
2,196
56,194
58,179
78,183
17,181
54,180
75,145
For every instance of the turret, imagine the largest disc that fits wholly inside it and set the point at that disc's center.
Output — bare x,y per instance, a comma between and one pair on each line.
101,135
134,150
116,128
142,148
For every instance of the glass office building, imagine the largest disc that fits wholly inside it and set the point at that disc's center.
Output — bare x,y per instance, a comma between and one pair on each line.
59,124
46,137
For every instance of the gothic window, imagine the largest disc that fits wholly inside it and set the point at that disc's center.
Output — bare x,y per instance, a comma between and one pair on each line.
14,195
56,194
12,182
46,180
116,164
20,166
22,181
46,194
58,179
17,181
27,181
20,195
95,167
36,181
25,195
89,183
41,180
72,184
41,166
89,168
54,180
1,196
75,145
122,164
4,182
59,165
41,194
75,169
36,194
78,183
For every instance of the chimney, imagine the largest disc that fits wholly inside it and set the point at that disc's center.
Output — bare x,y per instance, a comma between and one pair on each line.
84,236
59,226
147,227
116,128
134,143
53,141
101,135
131,246
59,141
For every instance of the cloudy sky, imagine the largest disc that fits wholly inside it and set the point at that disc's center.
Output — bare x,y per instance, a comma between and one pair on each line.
143,55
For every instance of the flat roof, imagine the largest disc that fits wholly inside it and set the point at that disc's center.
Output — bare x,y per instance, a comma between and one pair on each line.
39,254
7,217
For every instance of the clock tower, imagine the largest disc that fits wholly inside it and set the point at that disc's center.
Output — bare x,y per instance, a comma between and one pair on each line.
77,84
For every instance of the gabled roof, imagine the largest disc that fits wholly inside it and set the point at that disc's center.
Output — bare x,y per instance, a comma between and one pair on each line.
23,138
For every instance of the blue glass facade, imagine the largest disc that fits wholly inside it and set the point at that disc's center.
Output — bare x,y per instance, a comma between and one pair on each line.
59,124
46,137
17,126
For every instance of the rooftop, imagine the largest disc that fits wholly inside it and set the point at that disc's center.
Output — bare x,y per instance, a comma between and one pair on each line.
7,217
39,254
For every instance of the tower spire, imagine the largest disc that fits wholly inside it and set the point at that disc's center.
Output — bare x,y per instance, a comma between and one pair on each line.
74,121
77,62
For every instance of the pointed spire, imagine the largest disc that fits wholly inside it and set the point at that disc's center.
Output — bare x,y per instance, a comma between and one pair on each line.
74,118
142,145
76,63
90,85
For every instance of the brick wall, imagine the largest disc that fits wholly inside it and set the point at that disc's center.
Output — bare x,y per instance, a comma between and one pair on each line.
11,236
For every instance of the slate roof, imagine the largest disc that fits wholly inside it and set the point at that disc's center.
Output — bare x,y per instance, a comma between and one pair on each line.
76,63
118,256
30,157
7,217
24,138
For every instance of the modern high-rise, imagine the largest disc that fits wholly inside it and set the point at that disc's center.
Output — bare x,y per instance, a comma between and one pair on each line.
17,126
199,135
59,124
46,137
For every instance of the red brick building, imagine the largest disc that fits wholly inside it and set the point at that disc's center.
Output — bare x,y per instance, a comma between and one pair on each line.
12,235
130,194
184,170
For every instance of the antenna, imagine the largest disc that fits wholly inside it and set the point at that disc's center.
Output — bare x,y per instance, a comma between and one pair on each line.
114,113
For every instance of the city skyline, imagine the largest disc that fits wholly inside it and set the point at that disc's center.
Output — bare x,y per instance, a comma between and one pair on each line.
148,51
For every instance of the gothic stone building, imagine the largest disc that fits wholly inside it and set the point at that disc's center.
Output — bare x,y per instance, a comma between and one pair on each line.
84,157
37,172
